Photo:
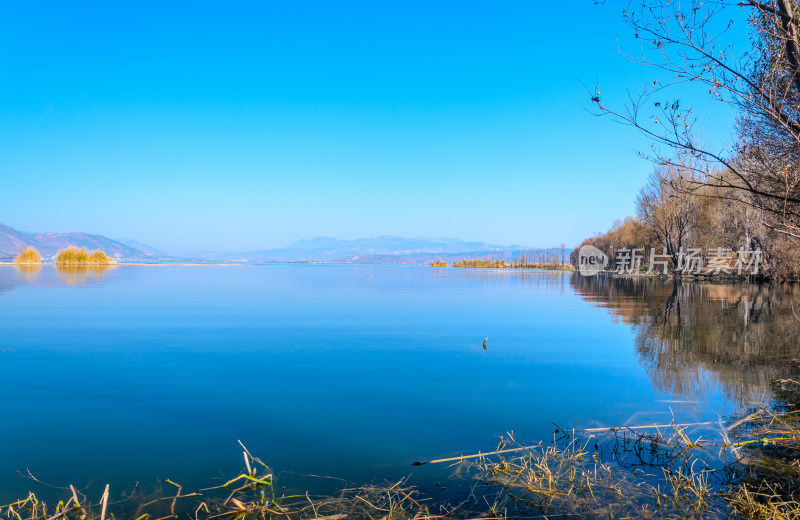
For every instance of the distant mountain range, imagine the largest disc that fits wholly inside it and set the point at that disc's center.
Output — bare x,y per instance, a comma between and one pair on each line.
48,244
378,250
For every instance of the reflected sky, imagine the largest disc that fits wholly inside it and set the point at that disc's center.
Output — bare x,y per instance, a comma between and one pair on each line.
148,372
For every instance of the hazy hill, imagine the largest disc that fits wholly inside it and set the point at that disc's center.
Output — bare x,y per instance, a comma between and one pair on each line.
135,244
376,250
48,244
379,250
11,241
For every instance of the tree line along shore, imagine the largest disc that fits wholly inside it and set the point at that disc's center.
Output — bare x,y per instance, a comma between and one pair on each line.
739,196
70,256
554,259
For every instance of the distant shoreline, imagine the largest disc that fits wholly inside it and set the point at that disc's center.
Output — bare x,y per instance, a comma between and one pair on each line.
6,262
116,264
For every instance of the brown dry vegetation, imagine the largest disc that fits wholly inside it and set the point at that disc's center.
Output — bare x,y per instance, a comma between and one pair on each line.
671,220
29,255
73,256
481,263
547,259
742,196
749,470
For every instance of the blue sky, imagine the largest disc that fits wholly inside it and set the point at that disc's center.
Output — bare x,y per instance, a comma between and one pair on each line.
243,126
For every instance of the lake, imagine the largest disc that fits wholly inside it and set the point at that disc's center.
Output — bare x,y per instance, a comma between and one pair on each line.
140,373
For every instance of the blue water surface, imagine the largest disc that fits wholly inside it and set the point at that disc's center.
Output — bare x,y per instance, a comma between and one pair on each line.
141,373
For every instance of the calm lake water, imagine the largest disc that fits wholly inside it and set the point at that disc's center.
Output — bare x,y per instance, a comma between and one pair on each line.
142,373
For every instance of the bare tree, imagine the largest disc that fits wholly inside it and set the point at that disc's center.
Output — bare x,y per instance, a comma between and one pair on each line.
670,210
691,43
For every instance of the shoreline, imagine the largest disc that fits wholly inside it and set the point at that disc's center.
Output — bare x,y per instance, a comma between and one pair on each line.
581,472
698,277
11,263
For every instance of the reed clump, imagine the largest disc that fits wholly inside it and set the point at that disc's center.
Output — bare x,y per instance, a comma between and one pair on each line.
29,255
750,470
439,263
639,475
250,495
73,256
485,263
546,259
766,483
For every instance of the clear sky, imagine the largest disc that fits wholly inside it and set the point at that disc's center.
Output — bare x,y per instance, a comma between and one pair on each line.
236,126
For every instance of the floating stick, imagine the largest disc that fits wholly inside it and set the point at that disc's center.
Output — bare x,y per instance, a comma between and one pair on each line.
104,501
684,425
476,455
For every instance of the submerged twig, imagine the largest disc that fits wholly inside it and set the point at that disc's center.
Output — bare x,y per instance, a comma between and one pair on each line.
473,456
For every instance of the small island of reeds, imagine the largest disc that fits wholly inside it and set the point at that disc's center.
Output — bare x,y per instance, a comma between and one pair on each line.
74,256
29,255
482,263
553,259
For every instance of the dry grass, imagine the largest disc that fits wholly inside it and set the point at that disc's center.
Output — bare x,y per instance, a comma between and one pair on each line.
439,263
481,263
28,256
766,480
250,495
750,470
636,475
79,256
488,263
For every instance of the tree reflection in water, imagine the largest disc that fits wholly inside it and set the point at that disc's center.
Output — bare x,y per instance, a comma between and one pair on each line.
693,336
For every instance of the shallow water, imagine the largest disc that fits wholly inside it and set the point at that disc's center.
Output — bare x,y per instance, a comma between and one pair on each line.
139,373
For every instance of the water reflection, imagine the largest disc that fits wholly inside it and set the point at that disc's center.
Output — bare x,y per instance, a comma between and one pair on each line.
693,336
551,281
8,278
75,274
28,273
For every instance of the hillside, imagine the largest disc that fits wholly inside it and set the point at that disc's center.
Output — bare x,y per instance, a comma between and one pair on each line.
13,241
380,250
377,250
